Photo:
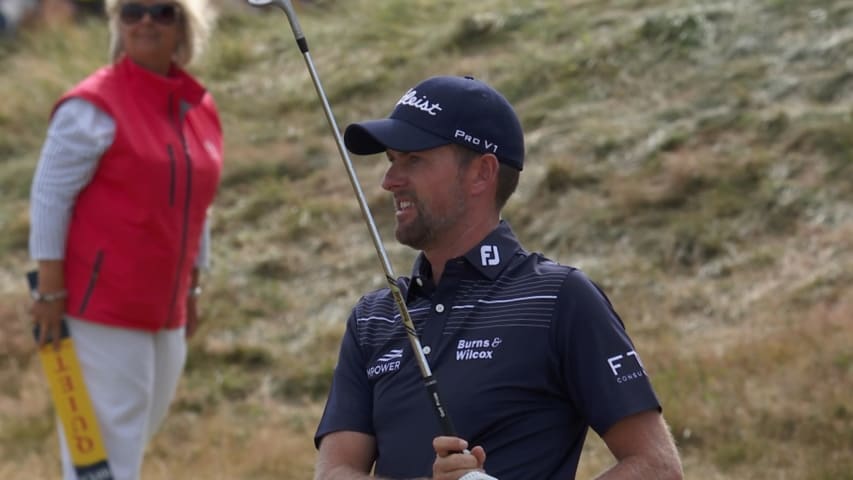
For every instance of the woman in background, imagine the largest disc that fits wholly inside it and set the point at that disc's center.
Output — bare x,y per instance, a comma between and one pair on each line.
130,166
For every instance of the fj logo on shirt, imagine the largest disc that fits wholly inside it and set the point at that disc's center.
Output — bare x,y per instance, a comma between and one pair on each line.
621,371
477,349
489,255
386,363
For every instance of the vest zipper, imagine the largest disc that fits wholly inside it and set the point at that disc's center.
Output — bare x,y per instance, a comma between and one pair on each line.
182,256
96,269
172,179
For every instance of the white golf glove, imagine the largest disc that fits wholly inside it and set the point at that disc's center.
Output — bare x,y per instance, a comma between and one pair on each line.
477,476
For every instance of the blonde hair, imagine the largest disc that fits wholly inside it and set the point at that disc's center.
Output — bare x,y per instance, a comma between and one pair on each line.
197,19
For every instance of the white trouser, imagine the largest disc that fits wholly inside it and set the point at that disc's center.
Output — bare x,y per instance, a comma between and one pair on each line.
131,376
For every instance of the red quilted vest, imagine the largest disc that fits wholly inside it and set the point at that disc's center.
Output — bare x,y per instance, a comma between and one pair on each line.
135,228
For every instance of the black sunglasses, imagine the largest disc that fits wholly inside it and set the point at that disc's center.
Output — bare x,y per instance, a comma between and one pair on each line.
162,13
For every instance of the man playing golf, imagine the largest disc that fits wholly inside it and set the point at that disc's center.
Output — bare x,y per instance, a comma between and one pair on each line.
530,354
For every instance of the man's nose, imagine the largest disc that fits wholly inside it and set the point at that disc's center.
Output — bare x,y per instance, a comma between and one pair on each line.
393,178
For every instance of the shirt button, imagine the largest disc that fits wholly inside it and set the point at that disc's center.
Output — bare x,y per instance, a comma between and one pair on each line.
419,282
427,350
439,308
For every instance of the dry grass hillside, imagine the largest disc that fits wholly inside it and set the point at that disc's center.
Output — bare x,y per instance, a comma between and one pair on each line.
695,158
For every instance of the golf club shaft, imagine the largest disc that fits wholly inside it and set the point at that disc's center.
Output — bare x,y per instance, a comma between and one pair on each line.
429,381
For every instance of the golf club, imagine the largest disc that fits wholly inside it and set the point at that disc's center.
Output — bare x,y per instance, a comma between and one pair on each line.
429,381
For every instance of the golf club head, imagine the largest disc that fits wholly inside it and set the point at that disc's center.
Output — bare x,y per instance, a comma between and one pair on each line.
287,7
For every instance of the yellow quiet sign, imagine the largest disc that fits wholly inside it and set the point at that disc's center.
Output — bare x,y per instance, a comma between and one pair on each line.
74,409
72,403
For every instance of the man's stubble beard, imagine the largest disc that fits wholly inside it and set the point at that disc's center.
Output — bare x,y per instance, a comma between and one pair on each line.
425,230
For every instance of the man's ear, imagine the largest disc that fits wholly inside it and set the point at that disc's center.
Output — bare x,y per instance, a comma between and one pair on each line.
484,173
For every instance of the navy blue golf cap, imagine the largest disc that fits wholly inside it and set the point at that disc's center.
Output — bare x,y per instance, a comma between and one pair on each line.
440,111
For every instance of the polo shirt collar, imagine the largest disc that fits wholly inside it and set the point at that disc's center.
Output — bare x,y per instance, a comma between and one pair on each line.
494,252
489,257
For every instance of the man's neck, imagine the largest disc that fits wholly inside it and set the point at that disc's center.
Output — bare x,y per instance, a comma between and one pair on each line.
456,245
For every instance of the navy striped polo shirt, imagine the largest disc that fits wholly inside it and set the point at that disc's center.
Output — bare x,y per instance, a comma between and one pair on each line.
528,355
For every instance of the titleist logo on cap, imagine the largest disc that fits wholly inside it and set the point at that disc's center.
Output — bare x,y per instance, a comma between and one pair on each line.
411,99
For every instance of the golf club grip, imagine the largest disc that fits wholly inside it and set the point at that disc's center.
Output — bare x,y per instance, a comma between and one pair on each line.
430,382
447,427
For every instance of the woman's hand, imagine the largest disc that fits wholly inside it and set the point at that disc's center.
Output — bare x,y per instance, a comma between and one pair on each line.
48,317
47,314
192,316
